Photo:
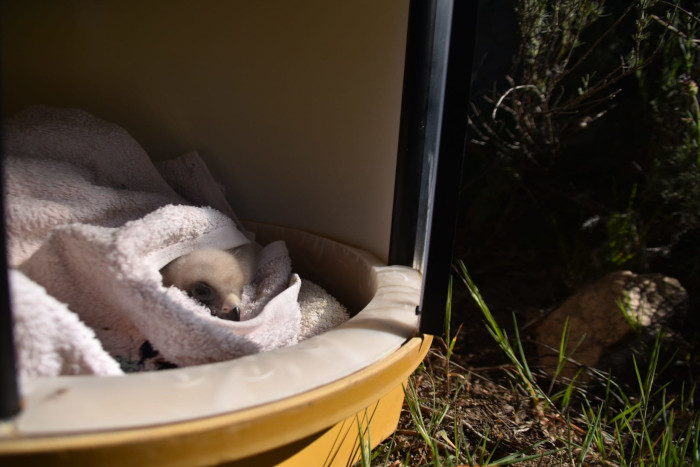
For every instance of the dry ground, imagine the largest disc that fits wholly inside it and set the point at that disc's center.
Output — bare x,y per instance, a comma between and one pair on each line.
490,411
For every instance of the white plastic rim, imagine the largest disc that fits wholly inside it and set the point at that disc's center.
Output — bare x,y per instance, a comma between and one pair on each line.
80,404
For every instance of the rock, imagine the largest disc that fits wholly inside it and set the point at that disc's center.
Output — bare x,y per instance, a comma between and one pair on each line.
653,301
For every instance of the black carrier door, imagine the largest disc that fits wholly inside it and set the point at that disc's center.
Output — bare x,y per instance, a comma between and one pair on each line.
432,141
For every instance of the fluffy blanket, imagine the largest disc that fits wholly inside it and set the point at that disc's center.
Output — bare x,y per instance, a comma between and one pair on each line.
91,221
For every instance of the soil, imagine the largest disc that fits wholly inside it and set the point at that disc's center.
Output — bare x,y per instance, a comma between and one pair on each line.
495,414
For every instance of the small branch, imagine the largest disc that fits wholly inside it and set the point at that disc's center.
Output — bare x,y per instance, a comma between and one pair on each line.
473,430
530,87
683,10
694,42
594,45
415,434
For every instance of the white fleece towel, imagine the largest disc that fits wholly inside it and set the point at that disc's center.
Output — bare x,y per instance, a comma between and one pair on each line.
92,221
64,166
52,340
190,177
110,277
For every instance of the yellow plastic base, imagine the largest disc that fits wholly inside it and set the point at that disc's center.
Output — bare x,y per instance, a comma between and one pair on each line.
319,427
339,445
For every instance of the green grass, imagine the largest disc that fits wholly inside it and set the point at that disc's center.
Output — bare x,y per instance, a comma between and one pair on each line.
619,425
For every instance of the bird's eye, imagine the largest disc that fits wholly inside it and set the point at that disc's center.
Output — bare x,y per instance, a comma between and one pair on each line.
202,292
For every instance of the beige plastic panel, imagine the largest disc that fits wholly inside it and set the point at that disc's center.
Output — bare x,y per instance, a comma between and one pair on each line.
293,104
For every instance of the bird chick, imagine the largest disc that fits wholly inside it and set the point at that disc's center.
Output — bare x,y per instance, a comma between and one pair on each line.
213,277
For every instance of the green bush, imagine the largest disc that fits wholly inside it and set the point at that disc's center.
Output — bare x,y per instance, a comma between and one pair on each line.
592,147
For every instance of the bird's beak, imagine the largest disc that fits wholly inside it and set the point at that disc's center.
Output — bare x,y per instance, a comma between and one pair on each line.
230,307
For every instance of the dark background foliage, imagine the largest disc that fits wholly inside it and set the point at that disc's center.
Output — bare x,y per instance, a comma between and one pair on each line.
584,155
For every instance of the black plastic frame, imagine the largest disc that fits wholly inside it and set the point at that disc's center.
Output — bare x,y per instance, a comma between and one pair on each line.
432,140
9,391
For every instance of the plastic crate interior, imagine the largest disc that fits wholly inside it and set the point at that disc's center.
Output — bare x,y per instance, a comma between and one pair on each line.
284,119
